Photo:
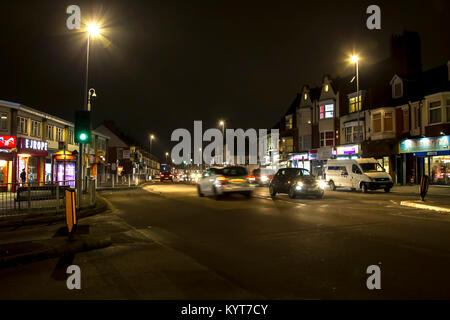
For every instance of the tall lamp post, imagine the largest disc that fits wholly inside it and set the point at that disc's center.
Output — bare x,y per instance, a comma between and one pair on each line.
92,30
222,124
151,140
355,59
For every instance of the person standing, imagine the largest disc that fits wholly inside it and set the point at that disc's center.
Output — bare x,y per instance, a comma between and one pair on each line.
23,177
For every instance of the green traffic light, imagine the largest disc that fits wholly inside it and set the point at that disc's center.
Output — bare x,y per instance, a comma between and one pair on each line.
83,136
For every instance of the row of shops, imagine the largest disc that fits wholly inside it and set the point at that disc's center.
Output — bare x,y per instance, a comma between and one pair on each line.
40,164
406,161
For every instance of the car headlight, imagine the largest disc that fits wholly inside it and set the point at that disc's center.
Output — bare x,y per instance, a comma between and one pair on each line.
322,184
264,178
299,185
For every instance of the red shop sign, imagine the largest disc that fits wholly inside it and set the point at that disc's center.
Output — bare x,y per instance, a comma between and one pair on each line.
8,142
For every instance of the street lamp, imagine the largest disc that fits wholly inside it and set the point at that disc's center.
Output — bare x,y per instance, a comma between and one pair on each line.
151,140
167,154
355,59
222,123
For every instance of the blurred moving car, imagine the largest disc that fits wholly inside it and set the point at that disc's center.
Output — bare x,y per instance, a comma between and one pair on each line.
263,176
217,182
295,182
165,176
364,173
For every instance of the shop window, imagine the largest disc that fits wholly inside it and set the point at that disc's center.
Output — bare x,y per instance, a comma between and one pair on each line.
355,104
50,132
3,121
22,125
435,112
326,138
388,126
35,128
376,122
405,120
440,170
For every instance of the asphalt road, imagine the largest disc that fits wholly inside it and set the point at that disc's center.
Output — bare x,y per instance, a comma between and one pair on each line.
171,244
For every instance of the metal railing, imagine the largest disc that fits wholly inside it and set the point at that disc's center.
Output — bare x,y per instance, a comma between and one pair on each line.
118,181
28,197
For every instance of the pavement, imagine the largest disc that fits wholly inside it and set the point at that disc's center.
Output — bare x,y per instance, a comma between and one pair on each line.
167,243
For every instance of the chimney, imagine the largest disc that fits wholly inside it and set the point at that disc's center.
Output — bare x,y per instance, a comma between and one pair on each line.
406,53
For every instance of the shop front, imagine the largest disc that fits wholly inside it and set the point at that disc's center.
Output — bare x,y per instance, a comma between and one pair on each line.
300,160
386,153
352,151
431,157
31,156
319,158
8,146
64,168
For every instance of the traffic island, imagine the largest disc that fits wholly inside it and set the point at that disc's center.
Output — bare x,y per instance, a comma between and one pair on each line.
12,254
439,206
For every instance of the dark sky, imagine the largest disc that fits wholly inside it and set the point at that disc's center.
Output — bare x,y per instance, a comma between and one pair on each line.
163,64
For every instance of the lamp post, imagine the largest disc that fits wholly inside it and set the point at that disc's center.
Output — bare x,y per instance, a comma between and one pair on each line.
167,154
92,30
151,140
91,93
222,123
355,59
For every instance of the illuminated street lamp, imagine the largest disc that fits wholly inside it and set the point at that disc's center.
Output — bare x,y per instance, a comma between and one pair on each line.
167,154
91,93
355,59
151,140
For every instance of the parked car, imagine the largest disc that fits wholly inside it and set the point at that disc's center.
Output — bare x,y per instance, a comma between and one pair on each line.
165,176
364,173
295,182
263,176
217,182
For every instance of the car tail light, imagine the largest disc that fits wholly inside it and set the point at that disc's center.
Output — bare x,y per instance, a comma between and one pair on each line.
251,178
162,174
221,178
170,175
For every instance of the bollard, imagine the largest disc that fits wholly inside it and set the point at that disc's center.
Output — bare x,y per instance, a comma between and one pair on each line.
112,180
29,197
423,188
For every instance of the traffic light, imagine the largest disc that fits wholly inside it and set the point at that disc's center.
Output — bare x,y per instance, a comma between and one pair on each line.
83,127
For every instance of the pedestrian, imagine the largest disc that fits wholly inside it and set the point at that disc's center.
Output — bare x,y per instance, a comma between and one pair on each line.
23,177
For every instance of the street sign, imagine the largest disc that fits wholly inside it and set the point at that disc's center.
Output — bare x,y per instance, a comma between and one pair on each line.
71,216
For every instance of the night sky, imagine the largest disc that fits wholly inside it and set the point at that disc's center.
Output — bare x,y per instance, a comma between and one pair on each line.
163,64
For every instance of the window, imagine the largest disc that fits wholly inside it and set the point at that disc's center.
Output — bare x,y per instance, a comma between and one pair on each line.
355,104
4,121
388,126
50,132
326,111
22,125
326,138
70,136
398,90
417,117
448,110
288,145
376,122
435,112
348,134
305,97
355,169
35,128
326,88
288,122
101,144
405,120
353,134
59,134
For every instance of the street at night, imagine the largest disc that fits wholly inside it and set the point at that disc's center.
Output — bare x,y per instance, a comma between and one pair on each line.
168,243
224,159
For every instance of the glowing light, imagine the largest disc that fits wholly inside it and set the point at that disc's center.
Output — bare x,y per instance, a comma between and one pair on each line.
93,29
354,59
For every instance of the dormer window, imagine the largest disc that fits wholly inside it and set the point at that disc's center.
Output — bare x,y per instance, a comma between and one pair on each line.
397,87
326,88
305,96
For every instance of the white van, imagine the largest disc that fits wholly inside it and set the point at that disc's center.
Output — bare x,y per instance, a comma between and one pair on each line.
365,174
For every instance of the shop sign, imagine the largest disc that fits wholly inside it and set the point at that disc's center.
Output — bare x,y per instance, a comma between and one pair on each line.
33,144
425,144
7,142
126,154
347,150
324,153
